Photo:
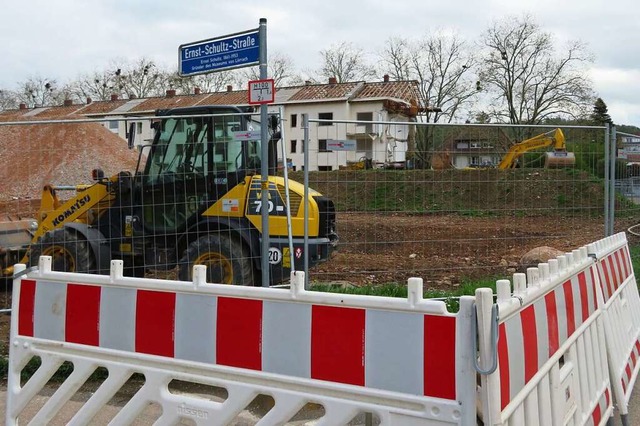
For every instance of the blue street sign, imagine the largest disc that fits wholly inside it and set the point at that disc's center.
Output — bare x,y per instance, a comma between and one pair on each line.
221,53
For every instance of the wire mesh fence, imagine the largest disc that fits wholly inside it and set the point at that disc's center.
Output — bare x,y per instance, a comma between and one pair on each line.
402,199
457,203
448,203
187,190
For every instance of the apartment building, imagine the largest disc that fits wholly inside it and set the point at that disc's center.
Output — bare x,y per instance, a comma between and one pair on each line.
338,105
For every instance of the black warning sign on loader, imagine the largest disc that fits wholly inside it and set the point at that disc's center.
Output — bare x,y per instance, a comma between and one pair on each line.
276,206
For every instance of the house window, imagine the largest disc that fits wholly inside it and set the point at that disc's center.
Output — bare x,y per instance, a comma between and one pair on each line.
294,120
462,145
294,144
365,116
474,161
322,145
113,125
302,146
364,146
325,116
139,127
325,168
476,145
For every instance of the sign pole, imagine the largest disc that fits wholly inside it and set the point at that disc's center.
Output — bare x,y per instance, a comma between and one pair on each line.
264,170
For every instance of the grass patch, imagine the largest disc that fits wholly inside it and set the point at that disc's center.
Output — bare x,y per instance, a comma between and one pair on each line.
634,252
451,298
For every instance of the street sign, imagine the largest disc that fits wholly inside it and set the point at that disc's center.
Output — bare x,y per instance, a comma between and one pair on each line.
341,145
220,53
247,135
261,91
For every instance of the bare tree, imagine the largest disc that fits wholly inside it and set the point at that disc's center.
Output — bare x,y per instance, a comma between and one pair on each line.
280,68
345,62
38,92
395,58
443,66
207,83
139,79
98,86
529,80
8,100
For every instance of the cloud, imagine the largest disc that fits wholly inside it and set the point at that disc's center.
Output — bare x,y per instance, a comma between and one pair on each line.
65,38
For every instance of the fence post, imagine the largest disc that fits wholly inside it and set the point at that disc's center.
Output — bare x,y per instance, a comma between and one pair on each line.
612,181
607,176
305,148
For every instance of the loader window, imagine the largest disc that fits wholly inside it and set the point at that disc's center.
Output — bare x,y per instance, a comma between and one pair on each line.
180,150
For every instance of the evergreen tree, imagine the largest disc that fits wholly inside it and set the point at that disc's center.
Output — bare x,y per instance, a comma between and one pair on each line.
600,115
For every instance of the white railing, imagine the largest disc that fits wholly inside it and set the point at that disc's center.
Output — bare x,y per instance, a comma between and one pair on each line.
556,347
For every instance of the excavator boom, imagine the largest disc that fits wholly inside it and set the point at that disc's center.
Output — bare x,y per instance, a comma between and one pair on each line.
554,137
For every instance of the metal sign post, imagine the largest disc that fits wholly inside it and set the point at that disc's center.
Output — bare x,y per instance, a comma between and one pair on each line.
239,50
264,170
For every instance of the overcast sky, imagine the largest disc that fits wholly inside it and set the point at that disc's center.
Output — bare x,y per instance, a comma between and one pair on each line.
63,38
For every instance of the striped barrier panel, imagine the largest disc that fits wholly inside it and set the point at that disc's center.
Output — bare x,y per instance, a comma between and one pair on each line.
621,304
551,358
407,361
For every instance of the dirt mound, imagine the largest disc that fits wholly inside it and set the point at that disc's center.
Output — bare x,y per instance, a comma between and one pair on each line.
60,154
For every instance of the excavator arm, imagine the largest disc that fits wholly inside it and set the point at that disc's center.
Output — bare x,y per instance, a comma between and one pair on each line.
554,137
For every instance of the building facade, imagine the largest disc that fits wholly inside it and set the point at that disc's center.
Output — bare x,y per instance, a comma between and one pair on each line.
338,105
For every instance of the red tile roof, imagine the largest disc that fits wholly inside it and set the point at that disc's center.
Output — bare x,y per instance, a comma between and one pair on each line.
359,91
61,112
236,97
326,91
165,102
402,90
102,107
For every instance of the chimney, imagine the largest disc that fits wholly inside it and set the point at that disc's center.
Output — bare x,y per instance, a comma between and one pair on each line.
307,83
23,106
132,95
114,97
333,80
89,100
68,102
171,93
229,88
196,91
385,78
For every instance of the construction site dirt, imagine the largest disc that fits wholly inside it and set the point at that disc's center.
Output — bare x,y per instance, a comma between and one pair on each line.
444,249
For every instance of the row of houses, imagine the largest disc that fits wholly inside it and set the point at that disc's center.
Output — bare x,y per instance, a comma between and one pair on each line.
383,101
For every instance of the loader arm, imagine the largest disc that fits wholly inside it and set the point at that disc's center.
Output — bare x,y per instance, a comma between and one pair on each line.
554,137
88,204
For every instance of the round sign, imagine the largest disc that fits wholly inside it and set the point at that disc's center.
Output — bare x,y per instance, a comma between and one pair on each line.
275,255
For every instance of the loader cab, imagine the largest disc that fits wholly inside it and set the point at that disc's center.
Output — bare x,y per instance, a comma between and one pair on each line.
195,158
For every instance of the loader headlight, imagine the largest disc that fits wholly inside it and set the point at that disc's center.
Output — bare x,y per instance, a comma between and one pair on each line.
33,226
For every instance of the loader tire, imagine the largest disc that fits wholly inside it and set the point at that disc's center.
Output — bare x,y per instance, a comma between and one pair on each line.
227,260
68,251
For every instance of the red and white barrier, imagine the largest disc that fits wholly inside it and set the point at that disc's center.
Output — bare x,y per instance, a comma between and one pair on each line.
403,360
551,361
621,304
557,348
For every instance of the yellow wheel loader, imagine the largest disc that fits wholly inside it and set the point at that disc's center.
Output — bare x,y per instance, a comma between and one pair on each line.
195,199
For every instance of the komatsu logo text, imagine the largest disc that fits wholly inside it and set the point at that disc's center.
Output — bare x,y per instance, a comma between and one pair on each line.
71,210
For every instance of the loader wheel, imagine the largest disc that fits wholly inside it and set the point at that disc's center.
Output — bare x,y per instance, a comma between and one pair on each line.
227,260
69,253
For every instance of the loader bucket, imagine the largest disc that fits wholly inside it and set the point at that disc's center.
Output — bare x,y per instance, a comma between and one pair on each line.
559,159
15,237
